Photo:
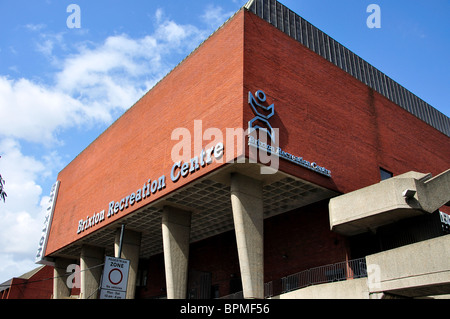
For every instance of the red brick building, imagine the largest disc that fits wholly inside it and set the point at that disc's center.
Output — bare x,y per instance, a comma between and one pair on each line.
211,223
36,284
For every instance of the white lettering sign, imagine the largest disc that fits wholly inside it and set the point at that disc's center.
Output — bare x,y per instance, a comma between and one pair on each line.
151,187
40,255
277,151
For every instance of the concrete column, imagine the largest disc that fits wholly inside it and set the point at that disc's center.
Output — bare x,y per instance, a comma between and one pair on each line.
131,245
176,229
91,272
60,288
247,204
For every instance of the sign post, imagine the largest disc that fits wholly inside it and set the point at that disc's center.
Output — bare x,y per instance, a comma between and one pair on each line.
115,278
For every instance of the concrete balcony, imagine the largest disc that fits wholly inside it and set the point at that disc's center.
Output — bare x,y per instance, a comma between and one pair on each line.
418,270
400,197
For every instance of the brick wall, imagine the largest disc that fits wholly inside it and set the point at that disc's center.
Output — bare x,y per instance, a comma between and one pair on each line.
38,286
206,86
326,115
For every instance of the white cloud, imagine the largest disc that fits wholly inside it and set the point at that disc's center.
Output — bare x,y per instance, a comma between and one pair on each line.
172,33
110,76
159,15
47,43
97,82
22,214
215,16
93,85
34,112
35,27
21,173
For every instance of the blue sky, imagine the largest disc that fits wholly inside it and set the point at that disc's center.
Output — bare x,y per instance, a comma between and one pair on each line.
61,87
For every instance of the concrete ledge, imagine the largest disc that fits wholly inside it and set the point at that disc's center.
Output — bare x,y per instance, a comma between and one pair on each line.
420,269
371,207
349,289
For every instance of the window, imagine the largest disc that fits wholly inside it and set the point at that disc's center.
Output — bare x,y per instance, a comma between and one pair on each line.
385,174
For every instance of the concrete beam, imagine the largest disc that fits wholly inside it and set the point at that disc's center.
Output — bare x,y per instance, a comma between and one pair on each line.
435,192
176,229
247,204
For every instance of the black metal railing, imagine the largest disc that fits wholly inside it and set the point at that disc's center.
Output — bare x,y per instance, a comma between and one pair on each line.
330,273
341,271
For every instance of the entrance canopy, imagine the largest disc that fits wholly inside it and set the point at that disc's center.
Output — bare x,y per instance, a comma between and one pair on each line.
209,201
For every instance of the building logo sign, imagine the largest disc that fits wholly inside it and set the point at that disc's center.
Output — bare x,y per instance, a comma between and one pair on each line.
261,123
263,114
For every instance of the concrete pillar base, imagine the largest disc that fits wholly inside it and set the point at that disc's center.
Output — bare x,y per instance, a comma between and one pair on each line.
60,288
91,272
247,204
176,229
131,245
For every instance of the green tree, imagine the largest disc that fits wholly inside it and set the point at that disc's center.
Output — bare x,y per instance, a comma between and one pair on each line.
2,188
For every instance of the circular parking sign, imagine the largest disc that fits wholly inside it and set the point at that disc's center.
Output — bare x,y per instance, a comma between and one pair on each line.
115,276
